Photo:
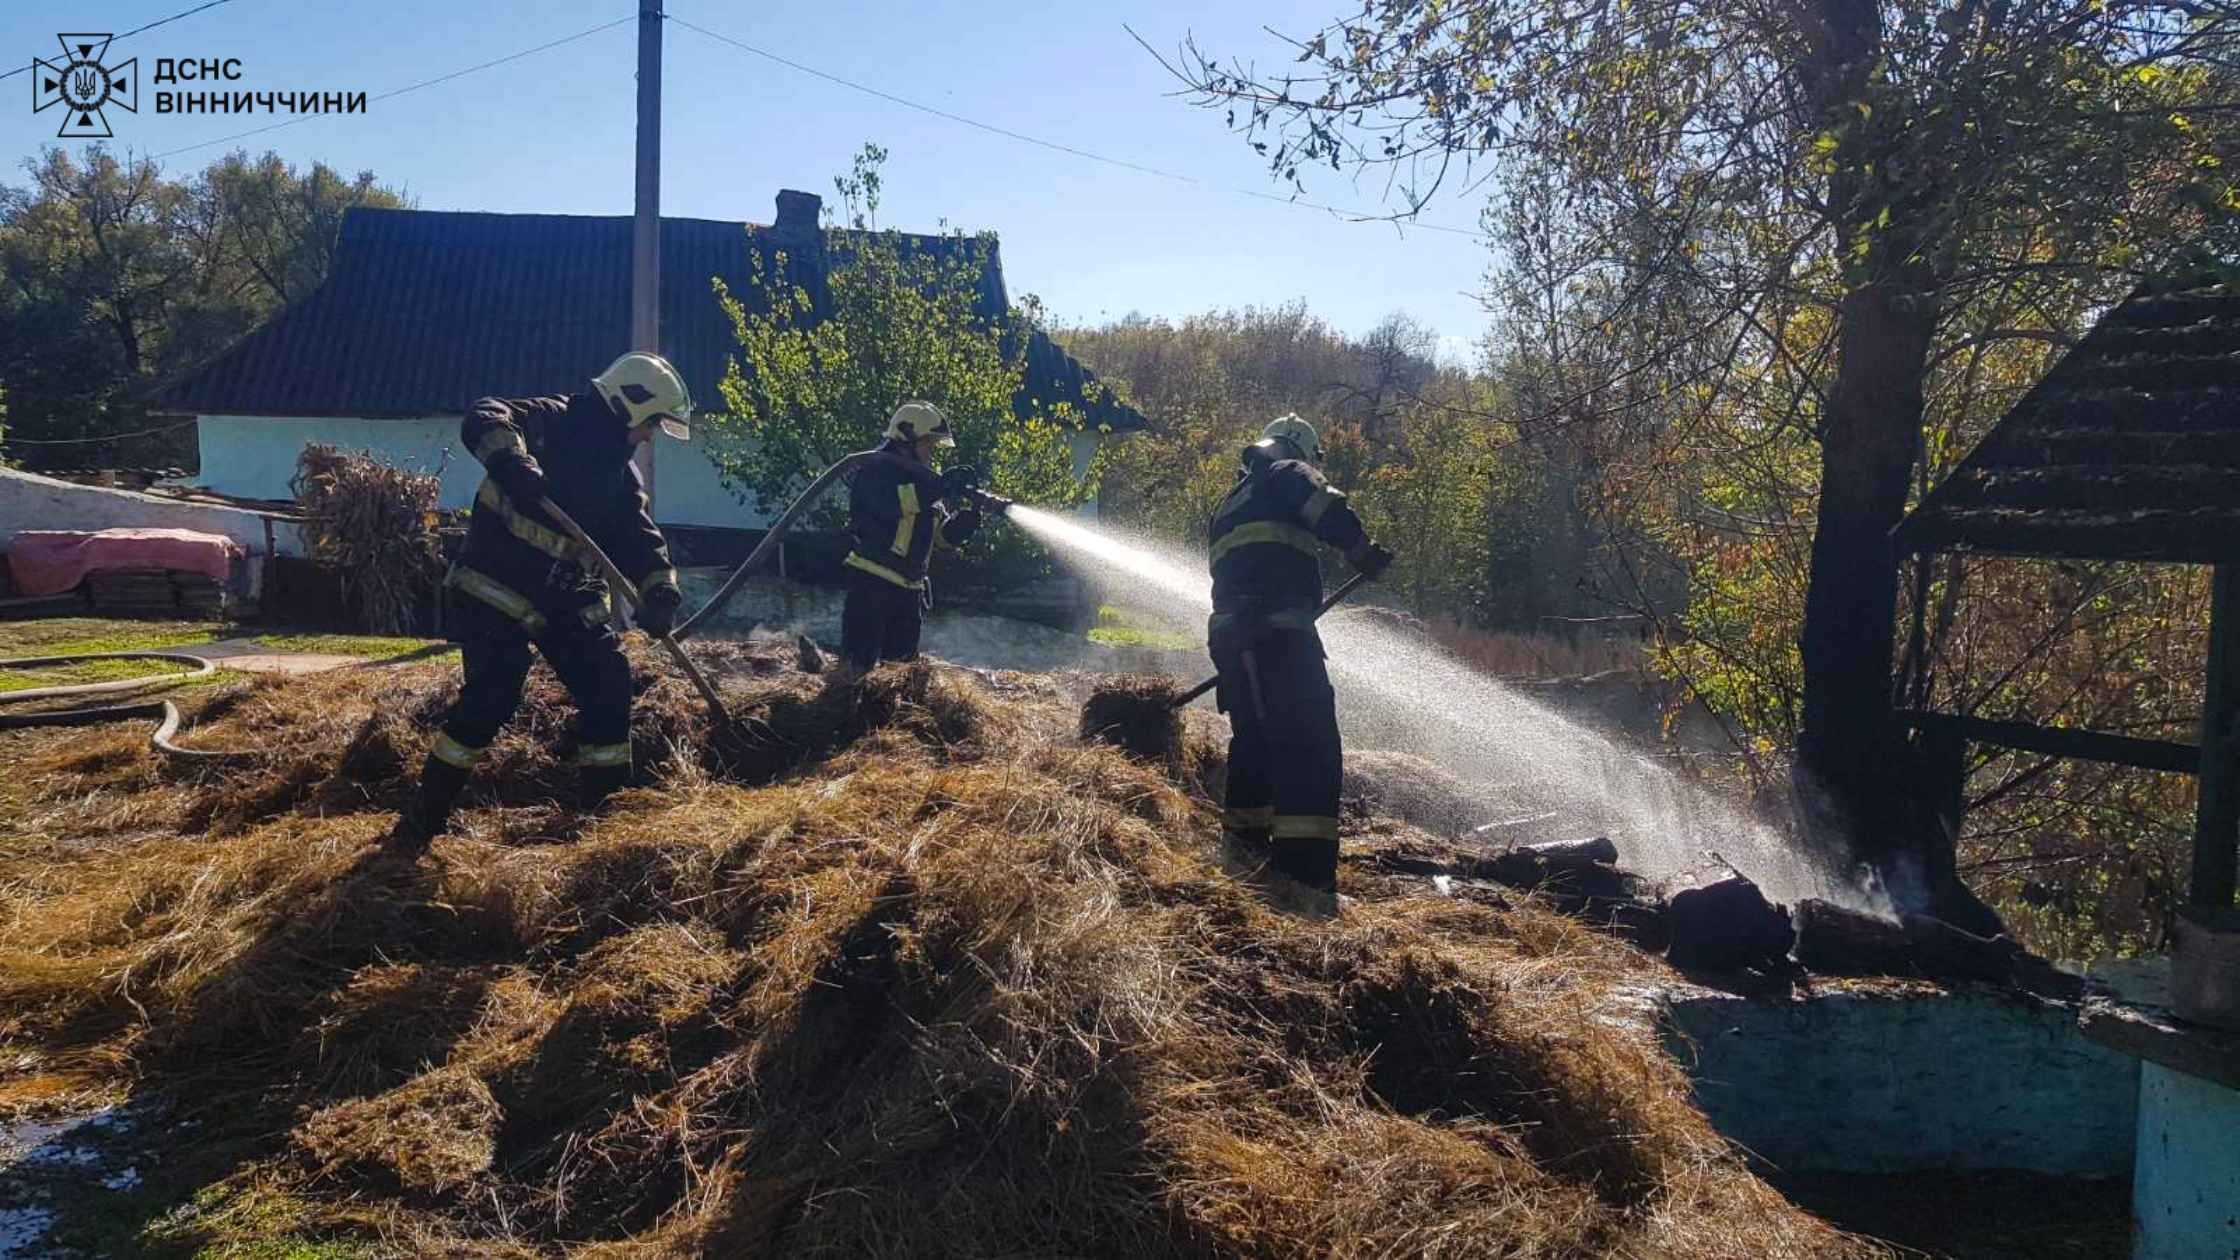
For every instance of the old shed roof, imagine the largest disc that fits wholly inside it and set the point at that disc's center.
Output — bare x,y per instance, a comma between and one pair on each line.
2129,449
423,312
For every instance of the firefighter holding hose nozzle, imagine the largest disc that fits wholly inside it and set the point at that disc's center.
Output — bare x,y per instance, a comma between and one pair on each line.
897,506
1285,756
522,581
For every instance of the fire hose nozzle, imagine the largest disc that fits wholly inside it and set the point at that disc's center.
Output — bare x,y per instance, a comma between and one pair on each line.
989,500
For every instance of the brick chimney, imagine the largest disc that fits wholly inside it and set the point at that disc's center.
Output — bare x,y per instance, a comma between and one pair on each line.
797,213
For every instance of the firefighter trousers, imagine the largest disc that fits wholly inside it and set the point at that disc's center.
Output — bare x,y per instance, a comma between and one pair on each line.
1285,757
880,621
588,659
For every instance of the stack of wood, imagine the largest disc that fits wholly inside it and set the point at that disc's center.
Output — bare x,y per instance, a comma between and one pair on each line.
156,593
1838,941
1716,921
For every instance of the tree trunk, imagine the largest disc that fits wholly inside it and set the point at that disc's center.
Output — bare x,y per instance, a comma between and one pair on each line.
1856,775
1857,781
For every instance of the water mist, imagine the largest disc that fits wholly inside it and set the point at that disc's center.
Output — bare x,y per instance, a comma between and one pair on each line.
1403,692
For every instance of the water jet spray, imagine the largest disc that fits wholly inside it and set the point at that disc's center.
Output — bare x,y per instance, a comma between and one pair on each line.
1402,691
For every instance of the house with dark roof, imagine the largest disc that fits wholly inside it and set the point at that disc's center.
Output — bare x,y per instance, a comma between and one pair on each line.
424,312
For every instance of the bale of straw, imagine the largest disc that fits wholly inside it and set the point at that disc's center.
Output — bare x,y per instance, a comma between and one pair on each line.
373,523
929,975
1136,714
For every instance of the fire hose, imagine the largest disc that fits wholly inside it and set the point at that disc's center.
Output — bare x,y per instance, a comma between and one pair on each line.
800,506
167,715
630,592
769,544
1333,601
164,712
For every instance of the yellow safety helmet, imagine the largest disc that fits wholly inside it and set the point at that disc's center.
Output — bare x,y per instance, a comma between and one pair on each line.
1298,434
645,390
918,419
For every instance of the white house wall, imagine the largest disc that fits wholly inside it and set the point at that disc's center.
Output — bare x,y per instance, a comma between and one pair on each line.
1083,444
687,489
254,456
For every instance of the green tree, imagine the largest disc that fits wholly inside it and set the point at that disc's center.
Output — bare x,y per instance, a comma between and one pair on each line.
1831,192
116,280
1427,449
824,355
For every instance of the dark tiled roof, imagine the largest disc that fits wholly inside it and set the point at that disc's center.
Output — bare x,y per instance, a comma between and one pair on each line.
426,311
2129,449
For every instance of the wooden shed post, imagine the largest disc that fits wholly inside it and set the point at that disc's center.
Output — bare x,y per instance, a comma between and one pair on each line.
1944,757
2216,827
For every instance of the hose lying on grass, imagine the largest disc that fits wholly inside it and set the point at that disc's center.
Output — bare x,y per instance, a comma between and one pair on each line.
164,711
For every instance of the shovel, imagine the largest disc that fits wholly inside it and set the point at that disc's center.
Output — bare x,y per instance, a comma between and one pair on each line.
630,592
1336,597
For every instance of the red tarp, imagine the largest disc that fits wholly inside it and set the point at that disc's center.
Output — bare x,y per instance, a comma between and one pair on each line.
51,561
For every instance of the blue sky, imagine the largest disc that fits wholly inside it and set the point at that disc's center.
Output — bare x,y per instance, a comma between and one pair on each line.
553,132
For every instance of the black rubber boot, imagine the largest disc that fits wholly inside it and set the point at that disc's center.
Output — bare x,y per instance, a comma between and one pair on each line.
1313,863
594,784
429,814
1250,846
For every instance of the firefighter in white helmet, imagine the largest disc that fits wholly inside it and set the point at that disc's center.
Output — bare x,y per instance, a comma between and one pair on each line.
519,580
1285,755
897,506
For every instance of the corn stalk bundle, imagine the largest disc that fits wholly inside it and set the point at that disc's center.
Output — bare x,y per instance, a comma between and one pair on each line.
373,523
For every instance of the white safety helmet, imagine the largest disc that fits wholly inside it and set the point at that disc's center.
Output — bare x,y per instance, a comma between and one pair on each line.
647,390
914,420
1298,434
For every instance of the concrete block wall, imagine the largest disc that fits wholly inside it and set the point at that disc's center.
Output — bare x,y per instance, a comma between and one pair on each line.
1908,1080
2186,1195
30,501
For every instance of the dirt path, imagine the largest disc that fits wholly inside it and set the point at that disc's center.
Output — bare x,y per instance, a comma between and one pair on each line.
253,657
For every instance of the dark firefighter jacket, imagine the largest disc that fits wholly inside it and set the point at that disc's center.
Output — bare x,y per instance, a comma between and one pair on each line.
893,509
518,561
1266,537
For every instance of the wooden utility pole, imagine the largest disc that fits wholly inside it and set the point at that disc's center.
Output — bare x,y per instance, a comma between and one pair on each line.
645,242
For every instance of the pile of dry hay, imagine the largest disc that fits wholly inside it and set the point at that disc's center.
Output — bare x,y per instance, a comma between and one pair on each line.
902,968
371,522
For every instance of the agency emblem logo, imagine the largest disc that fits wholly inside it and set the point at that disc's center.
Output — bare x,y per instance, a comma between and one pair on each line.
84,87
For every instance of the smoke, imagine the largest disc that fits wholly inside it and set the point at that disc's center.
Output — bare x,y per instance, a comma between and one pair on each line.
1402,691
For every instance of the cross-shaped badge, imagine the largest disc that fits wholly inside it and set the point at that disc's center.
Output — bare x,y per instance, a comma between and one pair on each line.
84,87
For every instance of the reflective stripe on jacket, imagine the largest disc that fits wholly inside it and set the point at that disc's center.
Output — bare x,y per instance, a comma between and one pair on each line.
1264,544
894,513
584,452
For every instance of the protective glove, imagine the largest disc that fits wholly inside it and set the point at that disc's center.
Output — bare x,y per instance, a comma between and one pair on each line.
956,481
522,480
962,527
1370,560
657,616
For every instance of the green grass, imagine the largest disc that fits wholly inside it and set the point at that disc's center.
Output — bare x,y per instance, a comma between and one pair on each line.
1123,627
373,647
90,672
1135,636
69,636
59,636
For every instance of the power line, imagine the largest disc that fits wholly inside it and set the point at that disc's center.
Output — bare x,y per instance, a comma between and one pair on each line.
1022,137
6,440
929,109
137,29
396,92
